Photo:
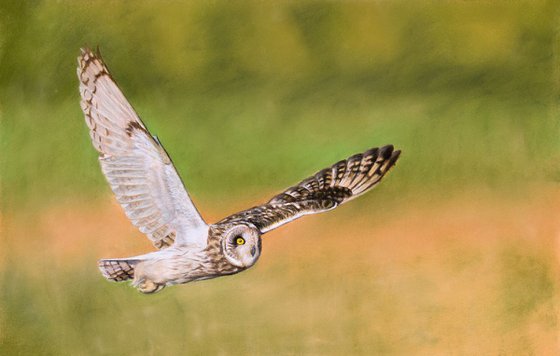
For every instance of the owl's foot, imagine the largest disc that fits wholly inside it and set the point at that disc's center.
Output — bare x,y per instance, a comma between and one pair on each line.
147,287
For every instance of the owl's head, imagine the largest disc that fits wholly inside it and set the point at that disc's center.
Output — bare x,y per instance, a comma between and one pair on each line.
242,245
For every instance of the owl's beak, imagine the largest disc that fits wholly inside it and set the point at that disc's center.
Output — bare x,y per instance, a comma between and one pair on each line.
253,251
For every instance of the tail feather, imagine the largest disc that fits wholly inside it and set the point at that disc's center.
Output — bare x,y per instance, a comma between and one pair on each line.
117,270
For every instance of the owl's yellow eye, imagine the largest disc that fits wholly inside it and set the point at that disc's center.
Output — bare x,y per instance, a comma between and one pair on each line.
240,241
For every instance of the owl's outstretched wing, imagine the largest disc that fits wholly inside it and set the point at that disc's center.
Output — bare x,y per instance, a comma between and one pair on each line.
324,191
135,164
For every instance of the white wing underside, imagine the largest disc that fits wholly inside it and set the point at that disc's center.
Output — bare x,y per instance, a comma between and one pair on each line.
136,166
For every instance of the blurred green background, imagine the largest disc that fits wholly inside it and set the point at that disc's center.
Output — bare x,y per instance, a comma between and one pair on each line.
249,97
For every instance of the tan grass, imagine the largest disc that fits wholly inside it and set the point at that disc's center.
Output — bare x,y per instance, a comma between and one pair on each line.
473,274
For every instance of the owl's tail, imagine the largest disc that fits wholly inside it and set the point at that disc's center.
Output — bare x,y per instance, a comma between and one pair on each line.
117,270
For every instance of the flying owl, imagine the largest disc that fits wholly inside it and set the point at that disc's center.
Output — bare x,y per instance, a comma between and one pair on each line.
149,189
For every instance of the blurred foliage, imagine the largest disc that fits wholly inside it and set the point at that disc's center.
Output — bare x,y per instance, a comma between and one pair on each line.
393,285
249,95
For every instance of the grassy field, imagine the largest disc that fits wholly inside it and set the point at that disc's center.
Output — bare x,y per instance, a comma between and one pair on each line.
475,274
468,92
456,253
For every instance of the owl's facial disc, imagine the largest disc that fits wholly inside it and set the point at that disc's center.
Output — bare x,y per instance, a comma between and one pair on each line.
242,246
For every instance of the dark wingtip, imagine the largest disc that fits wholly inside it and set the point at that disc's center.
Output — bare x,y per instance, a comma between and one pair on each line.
393,160
373,152
386,151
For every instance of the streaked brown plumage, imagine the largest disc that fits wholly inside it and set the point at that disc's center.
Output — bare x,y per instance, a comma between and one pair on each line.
146,184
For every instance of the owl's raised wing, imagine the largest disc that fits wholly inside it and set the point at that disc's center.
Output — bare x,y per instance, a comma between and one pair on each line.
324,191
135,164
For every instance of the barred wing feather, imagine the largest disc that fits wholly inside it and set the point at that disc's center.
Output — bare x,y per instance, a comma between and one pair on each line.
136,165
324,191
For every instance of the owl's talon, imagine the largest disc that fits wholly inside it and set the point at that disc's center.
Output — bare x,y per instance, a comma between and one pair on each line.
148,287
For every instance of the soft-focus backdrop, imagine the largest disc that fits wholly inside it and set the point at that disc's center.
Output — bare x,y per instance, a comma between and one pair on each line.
454,253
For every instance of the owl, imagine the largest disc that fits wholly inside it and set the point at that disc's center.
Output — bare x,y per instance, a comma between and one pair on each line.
149,189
